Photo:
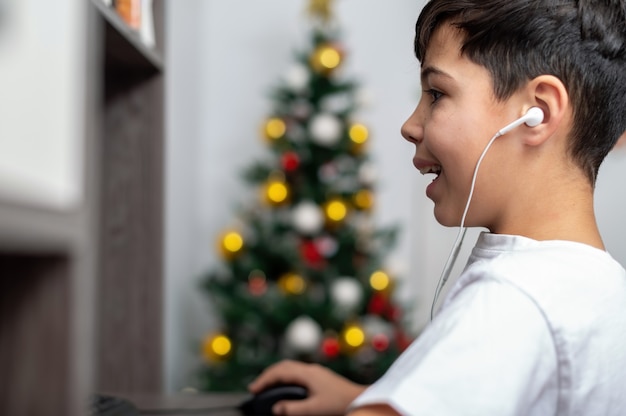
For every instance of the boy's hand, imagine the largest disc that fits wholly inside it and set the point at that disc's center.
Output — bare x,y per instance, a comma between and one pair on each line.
329,393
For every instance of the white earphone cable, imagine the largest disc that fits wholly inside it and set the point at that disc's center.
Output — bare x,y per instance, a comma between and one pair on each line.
454,253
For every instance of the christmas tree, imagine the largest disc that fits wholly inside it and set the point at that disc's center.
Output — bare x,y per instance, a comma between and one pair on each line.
303,274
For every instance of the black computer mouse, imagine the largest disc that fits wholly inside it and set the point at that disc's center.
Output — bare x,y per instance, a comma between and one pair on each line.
261,403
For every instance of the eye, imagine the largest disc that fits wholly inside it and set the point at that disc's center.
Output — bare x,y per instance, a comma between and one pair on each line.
434,94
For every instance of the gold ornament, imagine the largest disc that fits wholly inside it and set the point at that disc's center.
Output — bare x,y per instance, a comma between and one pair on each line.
230,244
292,284
320,9
380,281
216,347
359,134
325,59
274,129
364,199
336,211
276,191
352,337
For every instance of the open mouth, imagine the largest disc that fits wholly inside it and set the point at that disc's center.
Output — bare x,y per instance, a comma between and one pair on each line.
436,169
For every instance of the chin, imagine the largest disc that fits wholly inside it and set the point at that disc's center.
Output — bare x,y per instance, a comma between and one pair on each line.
446,219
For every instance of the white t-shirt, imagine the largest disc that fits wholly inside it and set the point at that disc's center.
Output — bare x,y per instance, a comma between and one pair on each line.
531,328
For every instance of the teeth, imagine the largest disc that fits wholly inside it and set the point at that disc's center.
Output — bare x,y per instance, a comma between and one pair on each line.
430,169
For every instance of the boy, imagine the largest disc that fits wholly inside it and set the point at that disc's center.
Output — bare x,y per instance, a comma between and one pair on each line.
536,323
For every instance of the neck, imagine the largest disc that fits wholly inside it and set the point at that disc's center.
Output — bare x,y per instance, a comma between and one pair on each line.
556,213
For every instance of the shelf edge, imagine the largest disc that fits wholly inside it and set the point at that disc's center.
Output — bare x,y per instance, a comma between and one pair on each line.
130,35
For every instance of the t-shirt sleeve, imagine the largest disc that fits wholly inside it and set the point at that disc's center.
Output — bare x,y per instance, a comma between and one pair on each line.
488,352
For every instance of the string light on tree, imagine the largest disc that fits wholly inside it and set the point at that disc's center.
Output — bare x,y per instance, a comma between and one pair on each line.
363,199
336,211
359,134
276,191
216,347
230,244
380,281
274,129
326,58
292,284
353,337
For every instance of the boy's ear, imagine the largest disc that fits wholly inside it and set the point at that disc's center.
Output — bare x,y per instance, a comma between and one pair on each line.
548,93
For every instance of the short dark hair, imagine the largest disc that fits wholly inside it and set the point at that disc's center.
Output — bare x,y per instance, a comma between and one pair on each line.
581,42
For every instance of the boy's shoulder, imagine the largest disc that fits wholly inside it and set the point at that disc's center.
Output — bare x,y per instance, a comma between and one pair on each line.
567,281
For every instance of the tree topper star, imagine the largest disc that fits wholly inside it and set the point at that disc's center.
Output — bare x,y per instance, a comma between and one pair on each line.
321,9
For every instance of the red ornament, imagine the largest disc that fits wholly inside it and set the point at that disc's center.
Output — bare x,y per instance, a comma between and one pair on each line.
257,286
380,342
331,347
290,161
377,304
394,313
402,340
311,254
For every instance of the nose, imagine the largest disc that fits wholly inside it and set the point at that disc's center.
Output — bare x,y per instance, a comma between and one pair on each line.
412,129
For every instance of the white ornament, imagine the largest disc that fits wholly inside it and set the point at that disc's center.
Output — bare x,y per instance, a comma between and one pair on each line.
326,245
347,183
375,325
307,217
301,109
346,292
325,129
297,78
328,172
367,173
396,266
336,103
303,335
364,97
363,225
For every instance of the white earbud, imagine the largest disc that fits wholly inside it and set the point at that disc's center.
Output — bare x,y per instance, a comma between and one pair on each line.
532,118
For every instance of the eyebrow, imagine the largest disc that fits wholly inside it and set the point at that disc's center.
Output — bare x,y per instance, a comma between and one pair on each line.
431,70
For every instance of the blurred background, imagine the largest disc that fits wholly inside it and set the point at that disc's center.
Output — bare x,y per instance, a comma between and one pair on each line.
121,152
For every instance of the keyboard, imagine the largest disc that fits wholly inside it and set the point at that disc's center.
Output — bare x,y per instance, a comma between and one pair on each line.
103,405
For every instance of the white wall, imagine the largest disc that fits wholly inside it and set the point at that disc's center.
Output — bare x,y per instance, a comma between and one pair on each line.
223,57
40,163
611,203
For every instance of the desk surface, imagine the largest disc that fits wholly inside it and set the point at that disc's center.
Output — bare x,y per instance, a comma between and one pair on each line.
201,404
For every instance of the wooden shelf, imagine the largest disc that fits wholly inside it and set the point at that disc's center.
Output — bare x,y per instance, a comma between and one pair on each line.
87,278
125,51
31,229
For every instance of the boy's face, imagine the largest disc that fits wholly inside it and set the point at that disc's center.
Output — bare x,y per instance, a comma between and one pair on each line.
456,117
